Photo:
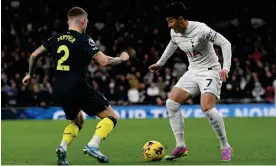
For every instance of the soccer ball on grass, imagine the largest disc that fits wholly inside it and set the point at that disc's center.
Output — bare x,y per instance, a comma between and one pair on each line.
153,151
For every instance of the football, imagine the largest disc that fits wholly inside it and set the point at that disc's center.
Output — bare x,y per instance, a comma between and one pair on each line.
153,151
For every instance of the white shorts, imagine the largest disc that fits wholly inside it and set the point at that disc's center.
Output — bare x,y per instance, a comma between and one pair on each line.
201,81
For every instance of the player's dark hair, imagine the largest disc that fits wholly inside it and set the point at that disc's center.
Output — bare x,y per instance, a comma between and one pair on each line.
76,11
176,9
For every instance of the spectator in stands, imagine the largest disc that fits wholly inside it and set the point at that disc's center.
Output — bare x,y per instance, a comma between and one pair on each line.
133,95
269,94
152,93
258,92
144,36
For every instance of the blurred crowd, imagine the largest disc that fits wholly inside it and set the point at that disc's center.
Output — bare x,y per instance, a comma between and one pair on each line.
139,28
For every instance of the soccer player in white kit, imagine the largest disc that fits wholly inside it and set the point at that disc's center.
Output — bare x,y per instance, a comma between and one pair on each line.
204,75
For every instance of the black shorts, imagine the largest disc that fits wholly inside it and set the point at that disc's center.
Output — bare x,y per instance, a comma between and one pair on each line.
86,99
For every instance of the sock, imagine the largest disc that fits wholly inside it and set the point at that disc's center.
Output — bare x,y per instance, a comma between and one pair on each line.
95,141
70,132
176,121
217,123
64,144
104,127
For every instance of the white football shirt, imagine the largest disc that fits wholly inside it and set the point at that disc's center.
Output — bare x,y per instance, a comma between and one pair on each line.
197,43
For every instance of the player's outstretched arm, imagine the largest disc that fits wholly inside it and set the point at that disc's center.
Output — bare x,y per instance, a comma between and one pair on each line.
105,60
170,49
32,64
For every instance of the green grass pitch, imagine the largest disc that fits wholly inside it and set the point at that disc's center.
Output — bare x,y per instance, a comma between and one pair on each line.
34,142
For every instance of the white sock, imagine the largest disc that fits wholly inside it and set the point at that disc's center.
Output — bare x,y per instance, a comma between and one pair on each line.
176,121
217,123
95,141
64,144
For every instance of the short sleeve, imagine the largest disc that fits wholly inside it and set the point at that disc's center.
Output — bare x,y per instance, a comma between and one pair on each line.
48,44
91,47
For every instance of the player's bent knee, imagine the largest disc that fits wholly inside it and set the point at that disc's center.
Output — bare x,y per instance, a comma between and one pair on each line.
206,106
79,121
80,126
208,101
106,113
179,95
173,107
114,115
111,113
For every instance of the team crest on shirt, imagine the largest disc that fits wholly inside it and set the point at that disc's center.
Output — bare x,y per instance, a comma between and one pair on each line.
192,41
192,48
91,42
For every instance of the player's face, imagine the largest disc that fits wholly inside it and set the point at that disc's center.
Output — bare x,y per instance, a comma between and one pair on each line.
175,24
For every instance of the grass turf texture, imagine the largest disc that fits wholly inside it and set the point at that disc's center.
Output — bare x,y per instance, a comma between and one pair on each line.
34,142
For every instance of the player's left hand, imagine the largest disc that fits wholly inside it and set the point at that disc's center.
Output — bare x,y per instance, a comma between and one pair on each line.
26,79
124,56
223,74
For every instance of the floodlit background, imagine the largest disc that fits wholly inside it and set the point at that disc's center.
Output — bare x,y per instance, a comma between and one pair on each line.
30,136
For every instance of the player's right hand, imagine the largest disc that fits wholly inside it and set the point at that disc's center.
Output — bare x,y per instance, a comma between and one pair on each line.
124,56
26,79
155,67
